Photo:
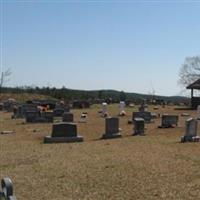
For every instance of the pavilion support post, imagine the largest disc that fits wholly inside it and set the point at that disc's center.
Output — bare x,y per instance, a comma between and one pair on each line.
192,93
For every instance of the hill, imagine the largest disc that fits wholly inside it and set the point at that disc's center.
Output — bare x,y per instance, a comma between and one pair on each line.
24,93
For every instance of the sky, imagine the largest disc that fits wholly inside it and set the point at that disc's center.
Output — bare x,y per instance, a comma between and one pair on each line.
134,46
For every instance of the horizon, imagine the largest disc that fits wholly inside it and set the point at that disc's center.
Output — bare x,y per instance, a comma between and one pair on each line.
135,47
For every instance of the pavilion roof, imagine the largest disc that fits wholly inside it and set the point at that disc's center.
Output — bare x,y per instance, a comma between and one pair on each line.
195,85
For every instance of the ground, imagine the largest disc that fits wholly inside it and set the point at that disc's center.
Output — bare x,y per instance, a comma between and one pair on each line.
155,166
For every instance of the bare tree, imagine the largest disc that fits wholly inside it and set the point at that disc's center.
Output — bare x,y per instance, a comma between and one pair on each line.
190,70
4,78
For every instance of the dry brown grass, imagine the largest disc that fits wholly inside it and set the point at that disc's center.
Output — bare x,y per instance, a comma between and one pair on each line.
155,166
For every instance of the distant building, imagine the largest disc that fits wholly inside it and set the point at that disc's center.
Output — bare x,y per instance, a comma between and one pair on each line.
195,101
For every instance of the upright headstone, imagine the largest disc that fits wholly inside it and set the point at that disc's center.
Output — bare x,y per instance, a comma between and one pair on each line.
111,128
63,132
122,111
68,117
169,121
48,116
7,190
58,112
190,131
198,112
138,126
145,115
104,109
31,116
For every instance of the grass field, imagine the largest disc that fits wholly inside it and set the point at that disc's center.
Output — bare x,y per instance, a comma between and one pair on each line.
156,166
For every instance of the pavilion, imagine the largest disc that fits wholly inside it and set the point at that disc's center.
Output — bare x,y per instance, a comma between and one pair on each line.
195,101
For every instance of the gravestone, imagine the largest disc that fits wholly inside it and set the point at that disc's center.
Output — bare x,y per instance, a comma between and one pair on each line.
7,190
191,126
37,117
122,111
185,115
68,117
145,115
198,112
111,128
138,126
154,115
17,112
63,132
104,109
83,118
31,116
58,112
169,121
48,116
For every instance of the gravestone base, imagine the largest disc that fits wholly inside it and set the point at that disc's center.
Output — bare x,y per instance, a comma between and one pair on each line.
167,126
185,115
190,139
50,139
139,133
39,120
111,136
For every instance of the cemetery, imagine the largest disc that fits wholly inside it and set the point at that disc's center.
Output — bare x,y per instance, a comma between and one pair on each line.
90,160
99,100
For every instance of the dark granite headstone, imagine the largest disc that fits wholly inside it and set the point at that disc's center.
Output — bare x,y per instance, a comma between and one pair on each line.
48,116
58,112
64,132
68,117
169,121
111,128
138,126
145,115
31,116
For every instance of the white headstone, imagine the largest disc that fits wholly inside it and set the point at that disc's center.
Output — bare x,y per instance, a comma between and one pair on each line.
122,108
104,109
191,127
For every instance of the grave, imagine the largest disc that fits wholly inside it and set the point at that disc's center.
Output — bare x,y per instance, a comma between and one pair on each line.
7,132
7,190
144,106
122,111
111,128
104,112
139,126
31,116
17,112
145,115
58,112
37,117
83,118
190,131
185,115
154,115
63,132
68,117
48,116
169,121
198,112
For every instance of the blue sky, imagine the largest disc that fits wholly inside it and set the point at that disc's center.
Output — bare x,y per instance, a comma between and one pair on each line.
123,45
